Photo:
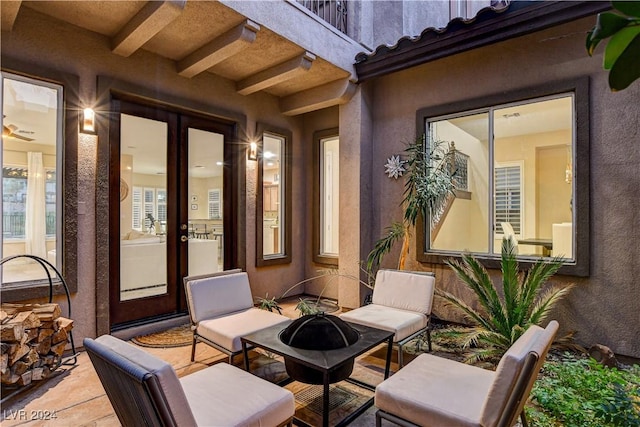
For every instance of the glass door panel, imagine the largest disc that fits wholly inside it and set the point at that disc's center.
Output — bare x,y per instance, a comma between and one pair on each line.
205,192
143,207
273,196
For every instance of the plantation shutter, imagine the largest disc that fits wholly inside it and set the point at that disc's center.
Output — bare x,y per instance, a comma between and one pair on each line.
136,209
215,204
508,197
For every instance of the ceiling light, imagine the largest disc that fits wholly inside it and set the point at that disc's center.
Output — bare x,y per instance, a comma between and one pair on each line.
219,163
268,155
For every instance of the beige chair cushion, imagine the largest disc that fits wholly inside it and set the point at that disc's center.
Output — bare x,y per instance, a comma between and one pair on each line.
217,295
405,290
418,391
167,378
227,330
402,322
224,395
507,374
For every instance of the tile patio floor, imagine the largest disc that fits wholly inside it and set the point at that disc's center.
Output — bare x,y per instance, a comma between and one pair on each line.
76,397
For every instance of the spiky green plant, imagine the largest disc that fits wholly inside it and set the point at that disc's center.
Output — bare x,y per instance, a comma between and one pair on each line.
525,301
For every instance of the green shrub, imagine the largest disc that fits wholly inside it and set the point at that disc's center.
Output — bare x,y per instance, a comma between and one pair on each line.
581,392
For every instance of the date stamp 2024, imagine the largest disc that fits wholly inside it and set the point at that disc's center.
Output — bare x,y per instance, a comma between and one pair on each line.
29,415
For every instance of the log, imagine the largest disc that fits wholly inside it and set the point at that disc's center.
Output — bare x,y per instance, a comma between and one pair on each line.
30,335
9,378
31,357
25,379
44,333
44,346
19,367
63,323
19,353
37,374
3,316
11,332
47,312
4,362
59,336
28,319
58,349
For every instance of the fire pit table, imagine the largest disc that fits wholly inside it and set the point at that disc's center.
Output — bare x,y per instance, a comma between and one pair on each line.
325,362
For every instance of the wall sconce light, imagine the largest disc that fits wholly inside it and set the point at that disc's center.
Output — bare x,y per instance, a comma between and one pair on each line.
88,124
252,151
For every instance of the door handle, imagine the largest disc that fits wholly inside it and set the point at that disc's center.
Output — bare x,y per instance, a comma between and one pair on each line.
183,238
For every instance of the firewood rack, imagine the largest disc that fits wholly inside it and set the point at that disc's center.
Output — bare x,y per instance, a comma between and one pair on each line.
48,268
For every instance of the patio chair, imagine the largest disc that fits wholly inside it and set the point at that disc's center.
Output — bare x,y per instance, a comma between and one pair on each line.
436,391
145,390
222,311
401,303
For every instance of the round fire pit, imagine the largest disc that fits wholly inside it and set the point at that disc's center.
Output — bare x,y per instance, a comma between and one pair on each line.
318,332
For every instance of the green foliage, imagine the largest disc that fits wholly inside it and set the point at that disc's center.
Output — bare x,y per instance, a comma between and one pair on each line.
429,182
384,245
269,304
581,392
524,301
622,53
429,178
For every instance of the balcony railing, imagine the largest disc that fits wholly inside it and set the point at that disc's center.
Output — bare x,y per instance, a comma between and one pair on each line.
332,11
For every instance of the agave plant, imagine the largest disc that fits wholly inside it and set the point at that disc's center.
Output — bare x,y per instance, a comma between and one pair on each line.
525,301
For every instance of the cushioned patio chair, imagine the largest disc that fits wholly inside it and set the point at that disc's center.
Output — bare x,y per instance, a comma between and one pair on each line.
433,391
222,311
401,303
145,390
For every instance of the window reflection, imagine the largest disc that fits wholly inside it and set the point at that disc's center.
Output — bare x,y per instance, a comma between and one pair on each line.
520,178
31,208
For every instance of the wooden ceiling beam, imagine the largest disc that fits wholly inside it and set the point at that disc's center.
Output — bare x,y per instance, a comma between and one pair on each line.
219,49
276,74
330,94
9,12
148,22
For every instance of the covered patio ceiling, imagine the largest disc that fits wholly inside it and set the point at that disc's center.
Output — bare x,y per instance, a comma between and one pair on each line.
207,37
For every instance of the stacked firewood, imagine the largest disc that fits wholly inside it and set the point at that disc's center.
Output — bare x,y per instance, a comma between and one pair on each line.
34,337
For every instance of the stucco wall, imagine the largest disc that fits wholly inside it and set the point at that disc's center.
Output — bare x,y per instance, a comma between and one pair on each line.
41,41
603,307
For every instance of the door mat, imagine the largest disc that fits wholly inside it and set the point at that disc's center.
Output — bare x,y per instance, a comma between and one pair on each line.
178,336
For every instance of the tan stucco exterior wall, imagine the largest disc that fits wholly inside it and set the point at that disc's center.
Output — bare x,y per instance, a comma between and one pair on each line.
602,308
51,44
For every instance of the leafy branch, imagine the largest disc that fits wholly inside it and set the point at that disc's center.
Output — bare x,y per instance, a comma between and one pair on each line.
622,53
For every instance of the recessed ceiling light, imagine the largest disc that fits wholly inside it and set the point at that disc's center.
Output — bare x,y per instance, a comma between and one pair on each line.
219,163
268,155
199,166
508,116
131,146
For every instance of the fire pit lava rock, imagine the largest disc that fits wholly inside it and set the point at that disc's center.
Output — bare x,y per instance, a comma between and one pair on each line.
318,332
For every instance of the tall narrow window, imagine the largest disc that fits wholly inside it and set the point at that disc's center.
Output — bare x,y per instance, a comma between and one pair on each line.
326,218
31,185
274,204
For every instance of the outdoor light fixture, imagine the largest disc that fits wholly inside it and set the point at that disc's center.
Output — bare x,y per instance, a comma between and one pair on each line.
88,124
252,152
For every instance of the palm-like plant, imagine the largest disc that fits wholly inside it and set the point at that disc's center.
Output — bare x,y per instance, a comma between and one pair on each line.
525,301
429,183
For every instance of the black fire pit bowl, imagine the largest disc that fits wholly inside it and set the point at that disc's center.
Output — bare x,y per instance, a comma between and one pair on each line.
318,332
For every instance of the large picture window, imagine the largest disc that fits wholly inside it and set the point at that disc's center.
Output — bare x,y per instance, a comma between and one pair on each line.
522,160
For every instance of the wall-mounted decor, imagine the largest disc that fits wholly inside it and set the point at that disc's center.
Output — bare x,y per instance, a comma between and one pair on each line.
395,167
124,189
194,206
